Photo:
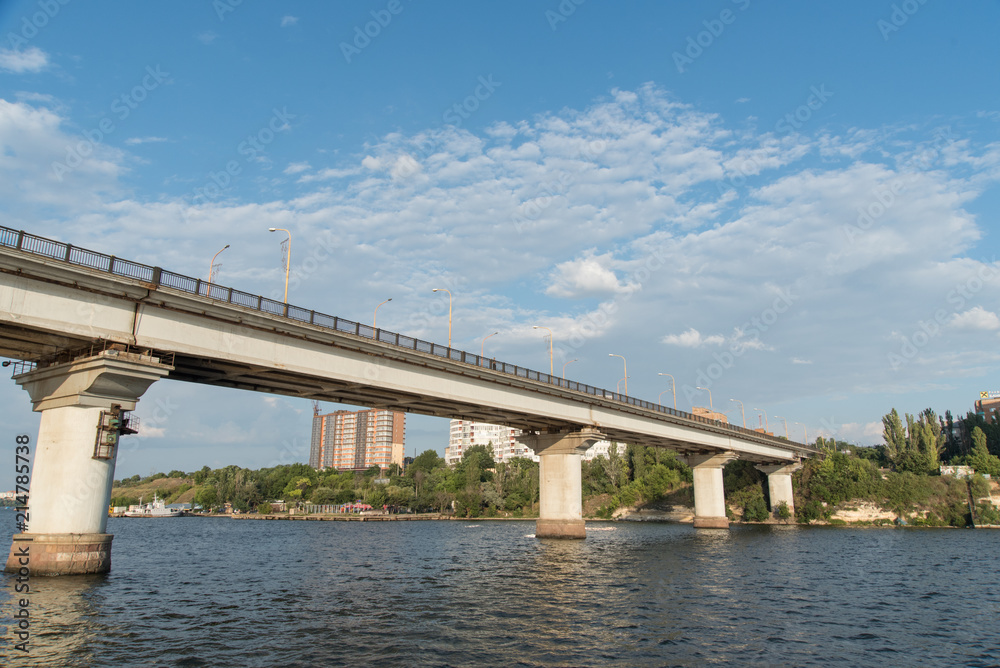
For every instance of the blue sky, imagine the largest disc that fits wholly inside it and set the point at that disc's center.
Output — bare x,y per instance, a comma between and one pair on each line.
793,204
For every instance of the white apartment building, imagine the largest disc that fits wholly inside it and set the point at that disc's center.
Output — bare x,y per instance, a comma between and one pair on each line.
464,434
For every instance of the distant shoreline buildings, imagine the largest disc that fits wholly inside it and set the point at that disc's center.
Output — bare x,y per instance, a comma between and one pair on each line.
464,434
358,440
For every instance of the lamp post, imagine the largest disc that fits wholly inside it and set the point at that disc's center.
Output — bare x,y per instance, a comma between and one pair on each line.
577,359
482,346
778,417
550,344
806,430
375,317
673,388
744,415
710,406
626,370
766,428
449,310
288,255
211,268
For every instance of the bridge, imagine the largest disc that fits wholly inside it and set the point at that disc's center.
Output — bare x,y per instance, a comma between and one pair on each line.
91,332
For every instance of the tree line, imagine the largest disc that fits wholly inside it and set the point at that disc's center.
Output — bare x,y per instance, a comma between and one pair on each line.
476,486
899,474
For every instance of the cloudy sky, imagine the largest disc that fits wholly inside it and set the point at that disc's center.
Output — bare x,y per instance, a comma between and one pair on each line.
793,205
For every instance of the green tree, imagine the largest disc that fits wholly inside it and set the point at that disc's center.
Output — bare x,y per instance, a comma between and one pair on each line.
895,437
615,467
207,497
426,461
980,458
323,496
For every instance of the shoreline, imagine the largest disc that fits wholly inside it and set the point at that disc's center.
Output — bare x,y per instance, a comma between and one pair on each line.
417,517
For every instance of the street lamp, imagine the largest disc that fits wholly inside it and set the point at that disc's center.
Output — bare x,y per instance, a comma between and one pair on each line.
766,428
288,255
577,359
483,344
211,268
806,430
550,344
626,370
786,425
449,310
710,406
673,388
375,318
744,415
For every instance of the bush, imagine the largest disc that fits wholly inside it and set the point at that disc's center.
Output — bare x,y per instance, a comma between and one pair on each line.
264,509
987,513
783,511
979,487
809,511
755,510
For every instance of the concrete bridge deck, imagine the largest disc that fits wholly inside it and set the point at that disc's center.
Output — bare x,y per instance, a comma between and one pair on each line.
94,331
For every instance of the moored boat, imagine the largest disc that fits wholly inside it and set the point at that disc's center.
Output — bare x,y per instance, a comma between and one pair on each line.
154,509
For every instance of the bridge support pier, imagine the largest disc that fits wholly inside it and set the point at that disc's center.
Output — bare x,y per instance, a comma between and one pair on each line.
71,476
779,484
560,487
709,495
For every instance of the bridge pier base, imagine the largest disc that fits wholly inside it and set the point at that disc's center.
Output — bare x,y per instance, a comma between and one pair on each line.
560,487
71,476
709,495
779,484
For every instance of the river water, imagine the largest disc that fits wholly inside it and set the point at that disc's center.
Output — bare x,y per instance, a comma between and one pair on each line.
222,592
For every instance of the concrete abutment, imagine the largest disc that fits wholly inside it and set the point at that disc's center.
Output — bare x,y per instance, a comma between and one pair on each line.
560,491
71,476
779,484
709,495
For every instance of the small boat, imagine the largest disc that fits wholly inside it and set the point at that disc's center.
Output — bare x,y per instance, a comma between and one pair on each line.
155,509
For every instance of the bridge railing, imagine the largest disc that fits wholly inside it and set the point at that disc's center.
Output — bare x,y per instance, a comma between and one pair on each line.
57,250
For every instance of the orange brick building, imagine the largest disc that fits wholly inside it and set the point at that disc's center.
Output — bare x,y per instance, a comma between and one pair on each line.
348,440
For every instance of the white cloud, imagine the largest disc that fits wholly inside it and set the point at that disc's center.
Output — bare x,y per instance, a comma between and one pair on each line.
588,276
296,167
633,191
31,59
289,21
692,338
207,37
134,141
976,318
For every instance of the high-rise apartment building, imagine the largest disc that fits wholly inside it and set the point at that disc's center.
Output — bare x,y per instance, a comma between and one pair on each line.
348,440
504,440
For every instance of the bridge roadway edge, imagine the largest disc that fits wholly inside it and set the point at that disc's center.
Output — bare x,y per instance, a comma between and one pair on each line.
620,421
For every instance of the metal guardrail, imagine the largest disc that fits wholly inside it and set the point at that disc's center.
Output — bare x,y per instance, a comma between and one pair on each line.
57,250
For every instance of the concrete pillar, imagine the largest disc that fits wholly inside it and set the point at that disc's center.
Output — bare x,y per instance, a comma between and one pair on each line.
779,483
70,487
560,487
709,495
